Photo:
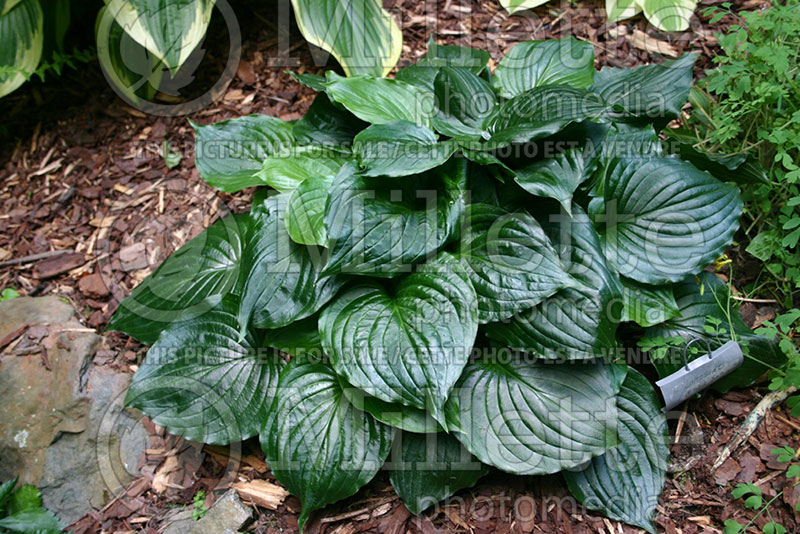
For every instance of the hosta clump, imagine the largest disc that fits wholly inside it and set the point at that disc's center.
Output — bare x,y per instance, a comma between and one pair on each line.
447,256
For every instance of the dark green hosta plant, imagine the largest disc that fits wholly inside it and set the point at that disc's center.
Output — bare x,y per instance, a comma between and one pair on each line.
446,256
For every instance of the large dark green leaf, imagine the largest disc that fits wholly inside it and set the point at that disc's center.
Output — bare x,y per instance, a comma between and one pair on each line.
393,414
287,169
305,213
557,177
647,305
400,148
382,100
431,467
537,63
229,154
407,345
648,91
201,381
189,283
461,94
299,338
738,168
317,444
533,417
577,322
283,281
381,227
326,124
423,72
706,296
663,218
625,482
541,112
510,260
362,36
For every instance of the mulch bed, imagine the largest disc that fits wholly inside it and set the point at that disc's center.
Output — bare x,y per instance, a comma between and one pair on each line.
89,208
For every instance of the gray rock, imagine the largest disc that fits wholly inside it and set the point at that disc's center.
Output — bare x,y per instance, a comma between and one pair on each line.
64,429
226,516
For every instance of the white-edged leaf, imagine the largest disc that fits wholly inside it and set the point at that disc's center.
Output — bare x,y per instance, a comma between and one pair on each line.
21,43
669,15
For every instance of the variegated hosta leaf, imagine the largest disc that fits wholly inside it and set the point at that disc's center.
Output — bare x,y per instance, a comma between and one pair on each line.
669,15
513,6
360,34
21,42
170,29
622,9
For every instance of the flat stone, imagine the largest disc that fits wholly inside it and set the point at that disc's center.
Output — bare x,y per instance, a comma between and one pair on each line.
64,429
93,286
227,515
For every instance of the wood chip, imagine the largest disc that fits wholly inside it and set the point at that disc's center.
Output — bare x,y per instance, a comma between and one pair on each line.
102,222
54,266
262,493
649,44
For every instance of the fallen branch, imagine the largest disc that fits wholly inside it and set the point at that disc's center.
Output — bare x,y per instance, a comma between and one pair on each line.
35,257
751,423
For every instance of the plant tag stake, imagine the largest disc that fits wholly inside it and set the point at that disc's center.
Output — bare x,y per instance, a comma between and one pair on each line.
697,375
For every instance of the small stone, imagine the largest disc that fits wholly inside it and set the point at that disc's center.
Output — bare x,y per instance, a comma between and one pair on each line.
130,355
227,516
93,286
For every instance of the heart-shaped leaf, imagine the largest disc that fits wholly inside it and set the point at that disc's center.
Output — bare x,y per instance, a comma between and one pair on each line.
664,219
648,91
577,322
189,283
283,281
317,444
380,227
201,381
287,169
532,64
512,264
408,345
532,417
229,154
647,305
461,94
625,482
557,177
382,100
431,467
541,112
400,148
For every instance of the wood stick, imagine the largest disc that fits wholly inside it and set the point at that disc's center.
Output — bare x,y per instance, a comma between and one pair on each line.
751,423
35,257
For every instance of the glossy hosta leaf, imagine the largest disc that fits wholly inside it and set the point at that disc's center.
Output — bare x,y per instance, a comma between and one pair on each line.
431,467
577,322
747,169
669,15
326,124
189,283
317,444
362,36
21,43
511,262
648,91
6,5
283,281
663,218
532,417
512,6
622,9
537,63
541,112
305,213
170,30
625,482
557,177
381,100
423,72
229,154
647,305
400,148
382,227
201,381
287,169
409,345
301,338
393,414
700,298
461,94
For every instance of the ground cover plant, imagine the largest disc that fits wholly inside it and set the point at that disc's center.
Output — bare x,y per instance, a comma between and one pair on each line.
21,511
447,257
